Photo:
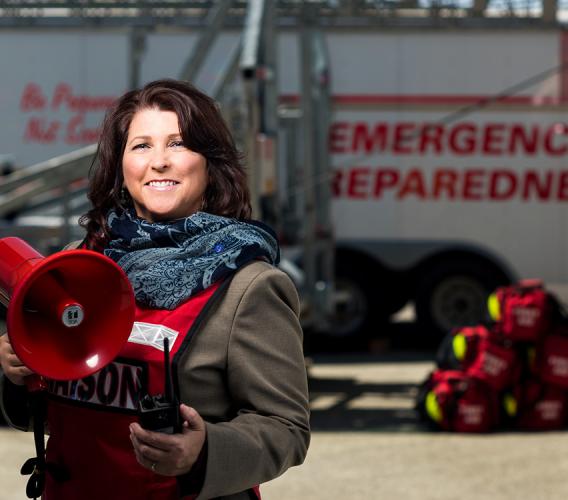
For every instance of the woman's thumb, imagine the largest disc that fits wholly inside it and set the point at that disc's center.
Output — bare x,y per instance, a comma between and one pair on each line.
192,420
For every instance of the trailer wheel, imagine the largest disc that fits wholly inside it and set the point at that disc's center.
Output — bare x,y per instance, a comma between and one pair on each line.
352,309
454,294
362,309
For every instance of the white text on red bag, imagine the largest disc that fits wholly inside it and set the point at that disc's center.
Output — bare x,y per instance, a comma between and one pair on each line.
522,311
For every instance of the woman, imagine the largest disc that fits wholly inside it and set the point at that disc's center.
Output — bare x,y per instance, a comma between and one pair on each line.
170,205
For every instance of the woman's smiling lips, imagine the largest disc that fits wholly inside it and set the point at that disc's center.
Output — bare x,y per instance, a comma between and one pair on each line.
162,185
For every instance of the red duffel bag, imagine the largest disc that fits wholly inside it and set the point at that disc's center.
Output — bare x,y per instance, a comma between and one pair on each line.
521,312
497,364
534,406
482,354
460,347
453,401
552,358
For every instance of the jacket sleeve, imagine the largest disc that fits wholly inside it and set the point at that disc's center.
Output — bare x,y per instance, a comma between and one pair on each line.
267,380
15,404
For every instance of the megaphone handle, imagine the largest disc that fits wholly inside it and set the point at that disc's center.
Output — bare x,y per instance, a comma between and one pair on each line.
36,466
35,383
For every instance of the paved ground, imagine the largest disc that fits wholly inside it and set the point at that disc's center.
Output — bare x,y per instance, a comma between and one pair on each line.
367,444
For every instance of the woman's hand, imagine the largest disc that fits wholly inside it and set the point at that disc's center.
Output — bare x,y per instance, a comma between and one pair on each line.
12,367
170,454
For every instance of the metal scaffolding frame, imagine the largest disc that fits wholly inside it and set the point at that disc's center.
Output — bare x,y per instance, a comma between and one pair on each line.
289,12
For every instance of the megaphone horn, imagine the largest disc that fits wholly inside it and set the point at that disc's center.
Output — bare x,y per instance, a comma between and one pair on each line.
69,314
16,265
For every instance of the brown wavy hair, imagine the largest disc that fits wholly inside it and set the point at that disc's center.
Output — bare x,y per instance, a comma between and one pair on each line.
203,130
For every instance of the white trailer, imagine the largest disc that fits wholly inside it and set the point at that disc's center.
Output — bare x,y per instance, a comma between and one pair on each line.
450,174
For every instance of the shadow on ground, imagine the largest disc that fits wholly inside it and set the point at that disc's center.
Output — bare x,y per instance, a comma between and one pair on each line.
344,403
405,336
341,416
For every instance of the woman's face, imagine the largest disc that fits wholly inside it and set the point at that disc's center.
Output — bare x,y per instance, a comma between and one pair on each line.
165,179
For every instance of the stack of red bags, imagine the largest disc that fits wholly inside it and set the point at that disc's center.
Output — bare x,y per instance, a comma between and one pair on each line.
509,374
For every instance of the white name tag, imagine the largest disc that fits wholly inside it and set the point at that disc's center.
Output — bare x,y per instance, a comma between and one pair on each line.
152,335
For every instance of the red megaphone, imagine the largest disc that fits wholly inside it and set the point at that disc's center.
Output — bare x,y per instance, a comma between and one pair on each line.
69,314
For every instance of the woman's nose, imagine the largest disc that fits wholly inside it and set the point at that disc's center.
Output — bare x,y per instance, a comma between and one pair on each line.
160,159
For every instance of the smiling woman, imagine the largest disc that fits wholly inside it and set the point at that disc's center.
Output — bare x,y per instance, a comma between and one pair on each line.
166,122
171,207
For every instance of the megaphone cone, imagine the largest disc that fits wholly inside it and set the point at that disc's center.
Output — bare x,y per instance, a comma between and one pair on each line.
69,314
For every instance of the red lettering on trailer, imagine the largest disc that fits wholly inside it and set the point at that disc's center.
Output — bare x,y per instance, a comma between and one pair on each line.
368,140
431,136
32,98
59,95
384,178
336,183
550,145
445,180
461,139
358,179
41,130
338,136
413,185
78,133
403,135
563,187
539,185
502,185
473,185
523,140
63,95
446,183
493,139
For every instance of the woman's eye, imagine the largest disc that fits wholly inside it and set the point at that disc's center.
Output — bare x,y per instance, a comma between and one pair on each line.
177,144
142,145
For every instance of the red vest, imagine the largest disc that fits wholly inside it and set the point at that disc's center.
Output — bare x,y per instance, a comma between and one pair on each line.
88,419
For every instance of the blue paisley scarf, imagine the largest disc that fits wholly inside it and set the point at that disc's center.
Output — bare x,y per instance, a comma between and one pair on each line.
167,263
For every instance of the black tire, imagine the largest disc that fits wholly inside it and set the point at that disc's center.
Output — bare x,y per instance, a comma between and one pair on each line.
454,294
353,316
365,300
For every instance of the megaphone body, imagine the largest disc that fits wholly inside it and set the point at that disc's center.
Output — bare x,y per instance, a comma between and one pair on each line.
69,314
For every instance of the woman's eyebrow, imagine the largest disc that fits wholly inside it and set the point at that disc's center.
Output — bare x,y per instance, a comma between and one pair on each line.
147,137
143,137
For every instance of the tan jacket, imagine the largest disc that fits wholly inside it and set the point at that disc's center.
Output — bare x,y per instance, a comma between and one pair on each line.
244,372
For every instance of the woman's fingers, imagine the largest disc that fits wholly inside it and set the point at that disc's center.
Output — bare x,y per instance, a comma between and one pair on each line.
157,460
170,454
148,452
153,439
22,371
13,360
12,366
